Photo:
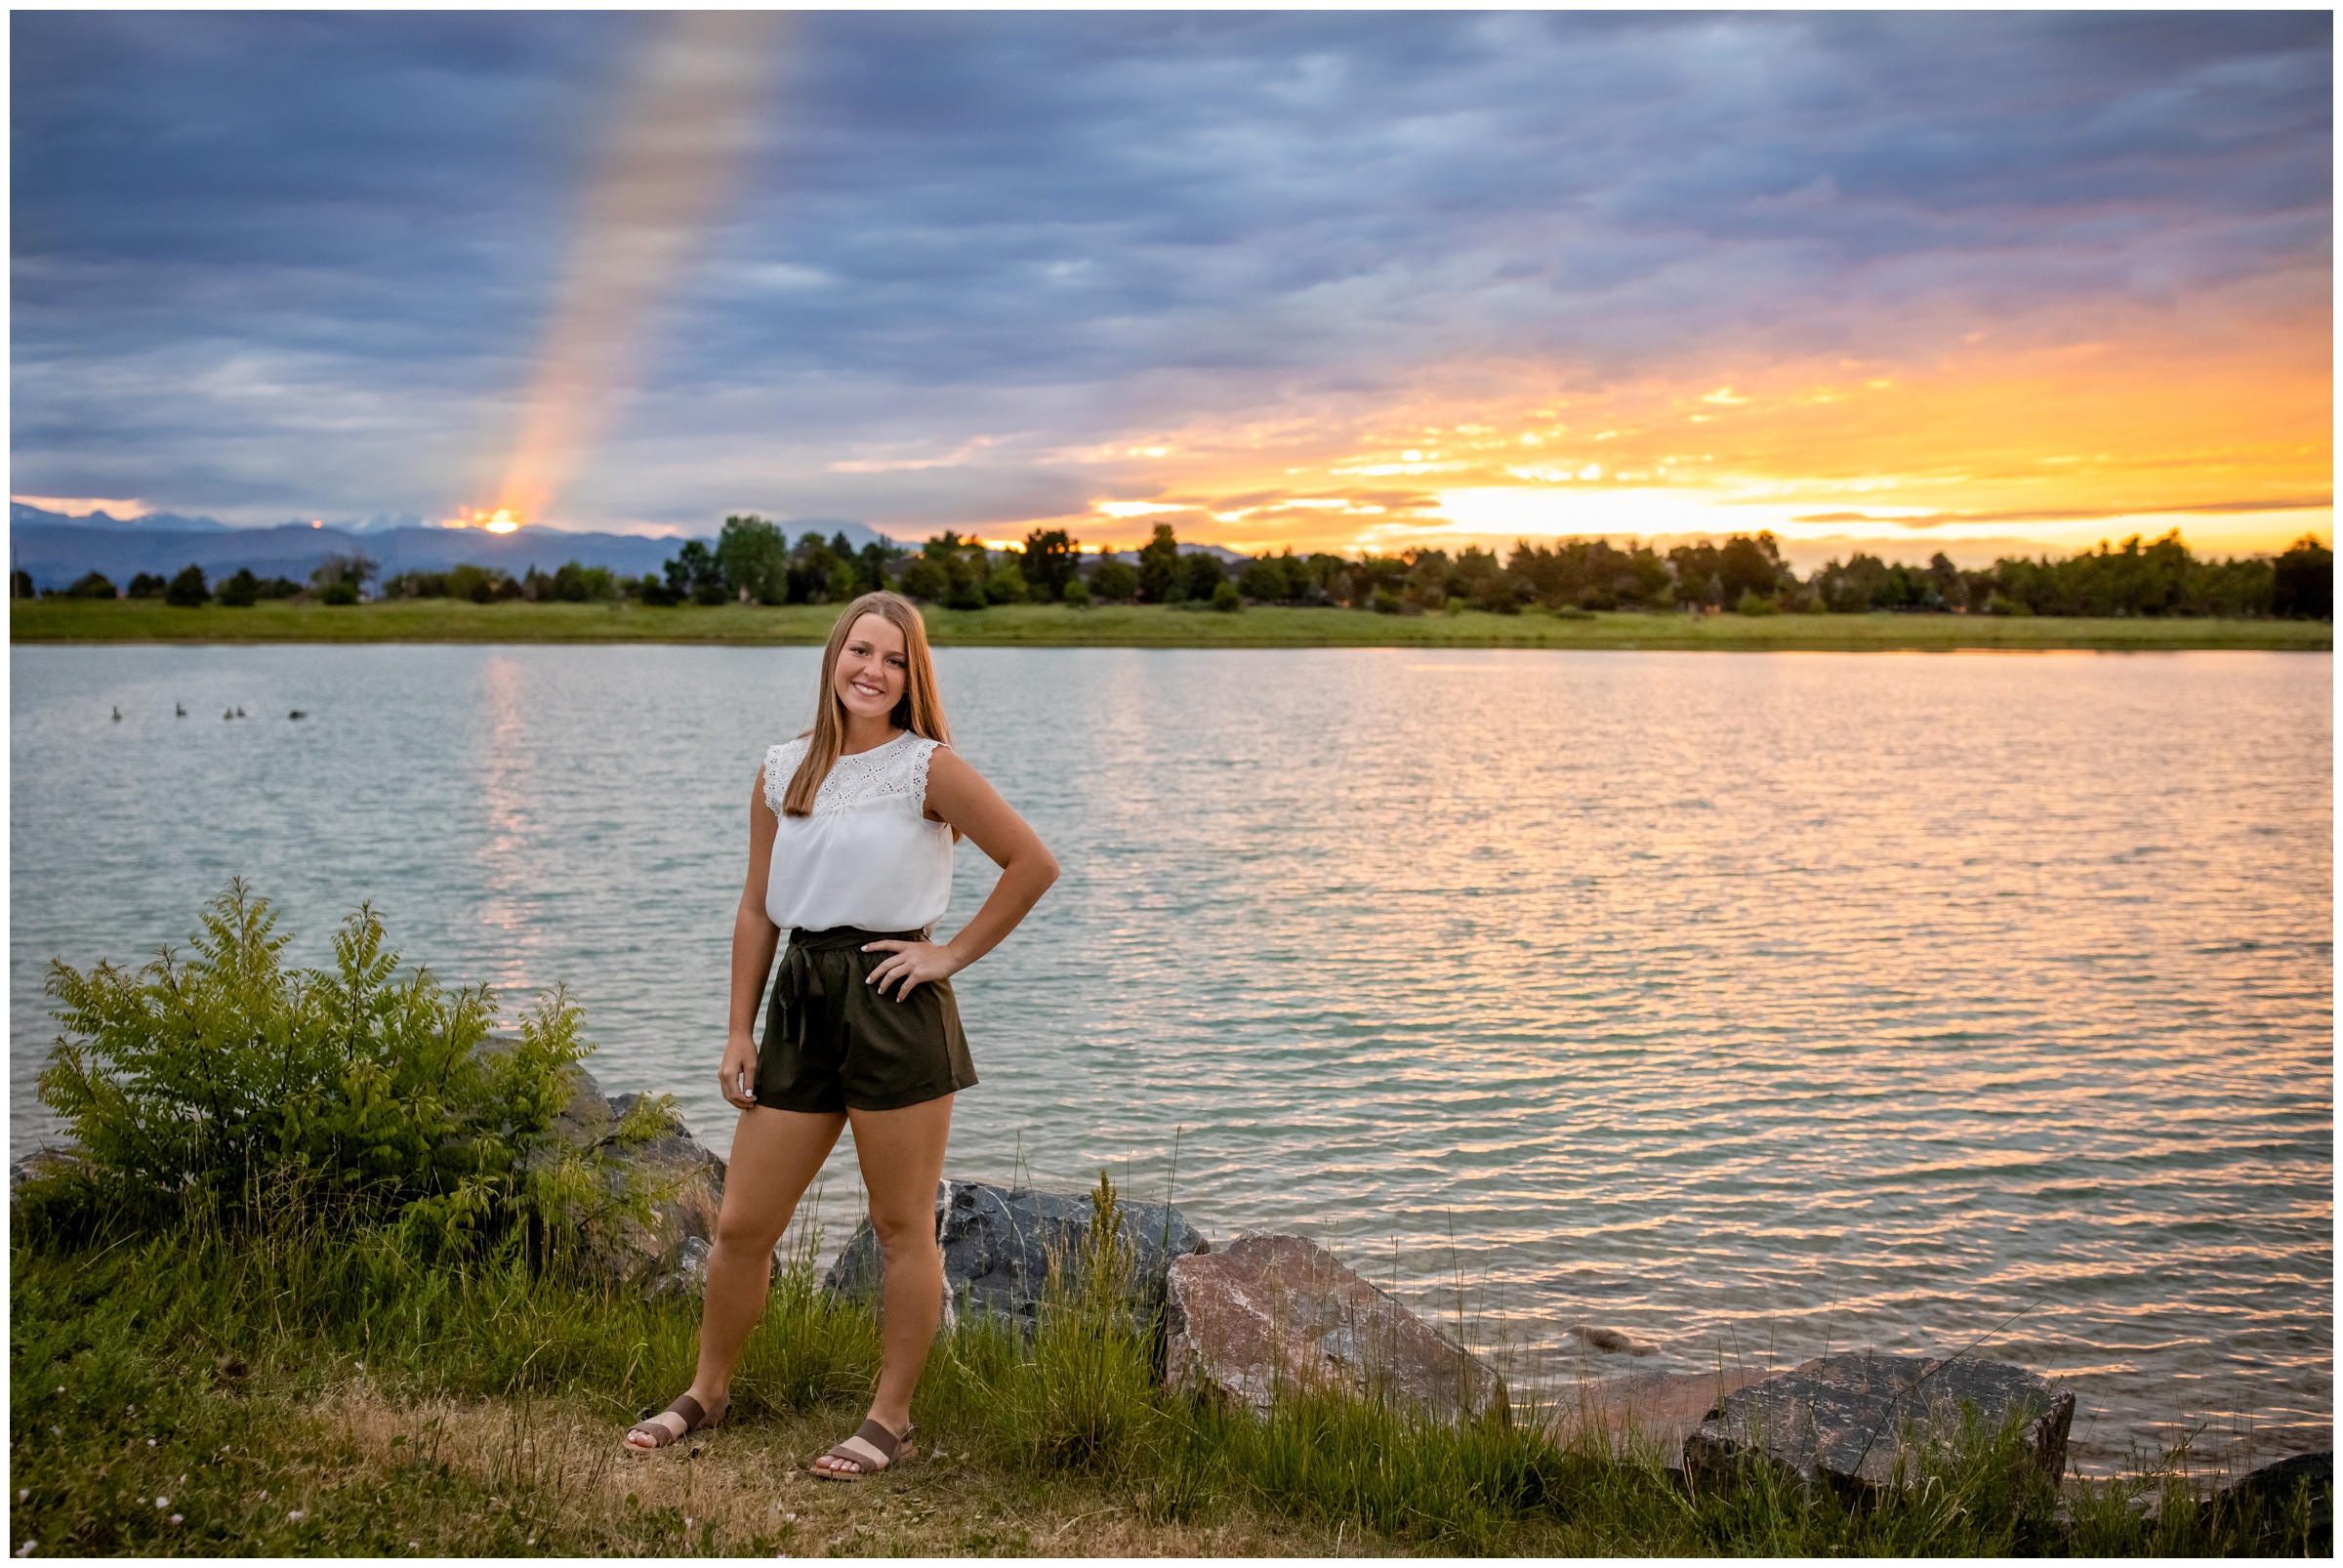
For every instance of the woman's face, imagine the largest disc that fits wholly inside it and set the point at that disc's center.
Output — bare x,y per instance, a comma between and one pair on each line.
873,670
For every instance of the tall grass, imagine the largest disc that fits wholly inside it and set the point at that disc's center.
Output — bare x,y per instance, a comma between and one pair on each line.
121,1336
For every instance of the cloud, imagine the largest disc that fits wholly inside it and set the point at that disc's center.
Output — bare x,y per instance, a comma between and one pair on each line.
302,261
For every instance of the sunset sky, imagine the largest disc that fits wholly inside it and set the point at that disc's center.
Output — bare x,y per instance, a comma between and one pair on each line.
1324,279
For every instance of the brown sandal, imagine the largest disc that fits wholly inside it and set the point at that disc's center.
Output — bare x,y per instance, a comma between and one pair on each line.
695,1420
872,1447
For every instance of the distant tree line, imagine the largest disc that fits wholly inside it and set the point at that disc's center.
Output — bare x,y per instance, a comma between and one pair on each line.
753,561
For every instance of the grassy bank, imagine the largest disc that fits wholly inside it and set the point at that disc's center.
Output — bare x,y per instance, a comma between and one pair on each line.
311,1391
1127,626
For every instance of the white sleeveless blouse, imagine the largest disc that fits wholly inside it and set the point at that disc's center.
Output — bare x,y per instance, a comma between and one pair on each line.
867,857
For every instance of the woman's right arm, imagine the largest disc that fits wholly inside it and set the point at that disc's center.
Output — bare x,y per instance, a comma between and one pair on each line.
754,938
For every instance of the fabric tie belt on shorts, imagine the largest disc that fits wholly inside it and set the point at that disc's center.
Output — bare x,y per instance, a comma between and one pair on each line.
821,964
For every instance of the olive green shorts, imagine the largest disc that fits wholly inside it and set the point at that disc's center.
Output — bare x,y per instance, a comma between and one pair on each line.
833,1043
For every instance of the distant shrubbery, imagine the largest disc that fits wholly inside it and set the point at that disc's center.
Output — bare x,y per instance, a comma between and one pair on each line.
753,561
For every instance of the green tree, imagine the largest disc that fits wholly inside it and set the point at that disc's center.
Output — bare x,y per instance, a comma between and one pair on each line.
241,590
923,578
1159,567
95,585
1748,565
1200,575
1006,584
1050,555
755,556
1264,580
1225,596
2303,581
694,574
965,577
188,589
1114,581
145,585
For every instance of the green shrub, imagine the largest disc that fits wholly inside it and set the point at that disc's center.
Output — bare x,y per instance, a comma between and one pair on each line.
1226,599
92,585
341,593
242,591
1077,593
1754,603
226,1082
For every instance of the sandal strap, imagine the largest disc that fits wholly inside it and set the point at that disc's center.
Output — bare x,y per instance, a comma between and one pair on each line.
690,1408
878,1437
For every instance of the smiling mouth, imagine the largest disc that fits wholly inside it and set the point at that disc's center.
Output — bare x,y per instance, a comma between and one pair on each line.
867,689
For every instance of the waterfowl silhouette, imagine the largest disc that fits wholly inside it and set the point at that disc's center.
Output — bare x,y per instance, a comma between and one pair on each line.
239,710
180,708
297,713
117,716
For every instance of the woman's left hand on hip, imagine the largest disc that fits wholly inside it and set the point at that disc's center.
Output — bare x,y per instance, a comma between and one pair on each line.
909,962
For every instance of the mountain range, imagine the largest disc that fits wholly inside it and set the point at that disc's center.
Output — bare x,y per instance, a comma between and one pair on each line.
55,549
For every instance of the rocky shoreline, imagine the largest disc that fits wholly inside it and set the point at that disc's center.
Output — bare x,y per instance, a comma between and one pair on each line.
1271,1314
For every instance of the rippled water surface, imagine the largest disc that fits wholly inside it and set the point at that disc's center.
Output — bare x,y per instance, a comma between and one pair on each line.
1757,1004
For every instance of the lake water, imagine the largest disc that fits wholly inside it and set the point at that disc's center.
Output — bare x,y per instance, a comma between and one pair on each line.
1757,1004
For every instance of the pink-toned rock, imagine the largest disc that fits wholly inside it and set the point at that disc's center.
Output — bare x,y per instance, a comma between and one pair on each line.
1275,1316
1651,1413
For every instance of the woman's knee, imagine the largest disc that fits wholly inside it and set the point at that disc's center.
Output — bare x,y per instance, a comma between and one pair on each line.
905,1238
752,1233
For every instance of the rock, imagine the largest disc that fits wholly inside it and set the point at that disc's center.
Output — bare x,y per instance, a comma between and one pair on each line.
1612,1339
2270,1490
689,1276
41,1162
1847,1419
1276,1313
1652,1410
998,1242
684,1181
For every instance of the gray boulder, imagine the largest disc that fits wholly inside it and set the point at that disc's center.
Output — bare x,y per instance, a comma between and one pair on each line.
2269,1491
1848,1420
643,1149
998,1244
1276,1315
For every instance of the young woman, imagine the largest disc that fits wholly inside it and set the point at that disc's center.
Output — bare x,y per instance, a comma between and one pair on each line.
851,834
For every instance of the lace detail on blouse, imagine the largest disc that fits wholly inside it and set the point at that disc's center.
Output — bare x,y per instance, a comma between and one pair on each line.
897,769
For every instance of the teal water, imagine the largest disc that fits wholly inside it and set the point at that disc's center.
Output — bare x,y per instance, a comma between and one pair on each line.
1757,1004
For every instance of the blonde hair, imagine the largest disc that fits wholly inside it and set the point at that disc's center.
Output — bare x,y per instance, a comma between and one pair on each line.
919,710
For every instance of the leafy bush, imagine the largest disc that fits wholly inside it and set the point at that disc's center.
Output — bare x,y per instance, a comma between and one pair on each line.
146,585
1226,599
341,593
92,585
223,1083
242,591
1755,604
1077,593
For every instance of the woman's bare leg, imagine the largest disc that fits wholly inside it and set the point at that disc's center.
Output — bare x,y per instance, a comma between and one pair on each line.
775,1156
902,1157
